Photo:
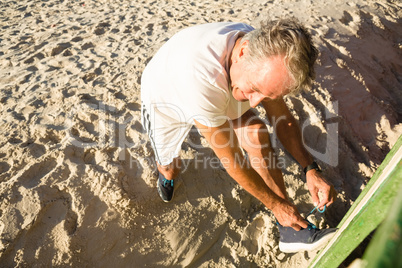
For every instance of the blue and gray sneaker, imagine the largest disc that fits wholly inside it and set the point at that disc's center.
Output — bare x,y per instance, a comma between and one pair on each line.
165,188
310,238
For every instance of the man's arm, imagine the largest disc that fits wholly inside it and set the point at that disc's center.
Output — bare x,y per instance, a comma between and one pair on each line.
288,132
225,144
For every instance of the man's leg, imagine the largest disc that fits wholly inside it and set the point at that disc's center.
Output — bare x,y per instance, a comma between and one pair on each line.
161,133
167,174
172,170
254,138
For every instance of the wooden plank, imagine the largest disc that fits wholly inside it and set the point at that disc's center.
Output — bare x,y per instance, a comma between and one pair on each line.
361,223
385,248
373,179
366,213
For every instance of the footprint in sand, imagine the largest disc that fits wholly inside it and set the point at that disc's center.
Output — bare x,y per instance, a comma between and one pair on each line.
34,174
253,238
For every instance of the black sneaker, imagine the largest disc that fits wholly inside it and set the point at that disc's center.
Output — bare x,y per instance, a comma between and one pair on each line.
310,238
165,188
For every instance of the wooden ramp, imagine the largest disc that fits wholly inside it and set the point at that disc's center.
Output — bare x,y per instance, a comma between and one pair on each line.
377,202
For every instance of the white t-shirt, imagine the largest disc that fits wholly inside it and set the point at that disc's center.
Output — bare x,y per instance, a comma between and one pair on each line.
188,78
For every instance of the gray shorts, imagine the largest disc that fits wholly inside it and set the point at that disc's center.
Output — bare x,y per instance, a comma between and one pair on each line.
167,137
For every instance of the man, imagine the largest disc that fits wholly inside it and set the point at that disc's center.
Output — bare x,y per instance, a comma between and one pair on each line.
210,76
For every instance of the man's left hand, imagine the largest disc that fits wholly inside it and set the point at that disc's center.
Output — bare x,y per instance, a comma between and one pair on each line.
317,183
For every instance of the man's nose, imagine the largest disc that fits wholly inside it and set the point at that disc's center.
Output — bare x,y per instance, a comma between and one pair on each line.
255,99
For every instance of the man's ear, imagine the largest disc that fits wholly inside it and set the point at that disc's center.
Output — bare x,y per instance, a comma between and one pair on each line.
243,48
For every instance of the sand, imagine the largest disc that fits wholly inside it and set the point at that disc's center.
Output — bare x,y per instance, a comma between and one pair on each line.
77,180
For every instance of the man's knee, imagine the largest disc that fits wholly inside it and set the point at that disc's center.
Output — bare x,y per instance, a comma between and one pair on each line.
257,135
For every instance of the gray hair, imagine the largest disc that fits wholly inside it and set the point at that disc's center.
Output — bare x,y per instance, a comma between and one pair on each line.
289,38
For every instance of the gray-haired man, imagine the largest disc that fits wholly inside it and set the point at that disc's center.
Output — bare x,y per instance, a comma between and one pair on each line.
210,76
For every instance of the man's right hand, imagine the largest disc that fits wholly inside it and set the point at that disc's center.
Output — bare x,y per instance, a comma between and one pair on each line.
288,216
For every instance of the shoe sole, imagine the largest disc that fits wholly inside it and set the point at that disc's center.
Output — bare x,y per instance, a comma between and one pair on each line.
160,194
297,247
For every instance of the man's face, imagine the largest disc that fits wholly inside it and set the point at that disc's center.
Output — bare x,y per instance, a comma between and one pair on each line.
269,80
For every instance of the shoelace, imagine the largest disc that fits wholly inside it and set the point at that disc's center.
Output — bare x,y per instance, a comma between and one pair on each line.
316,208
166,181
310,225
